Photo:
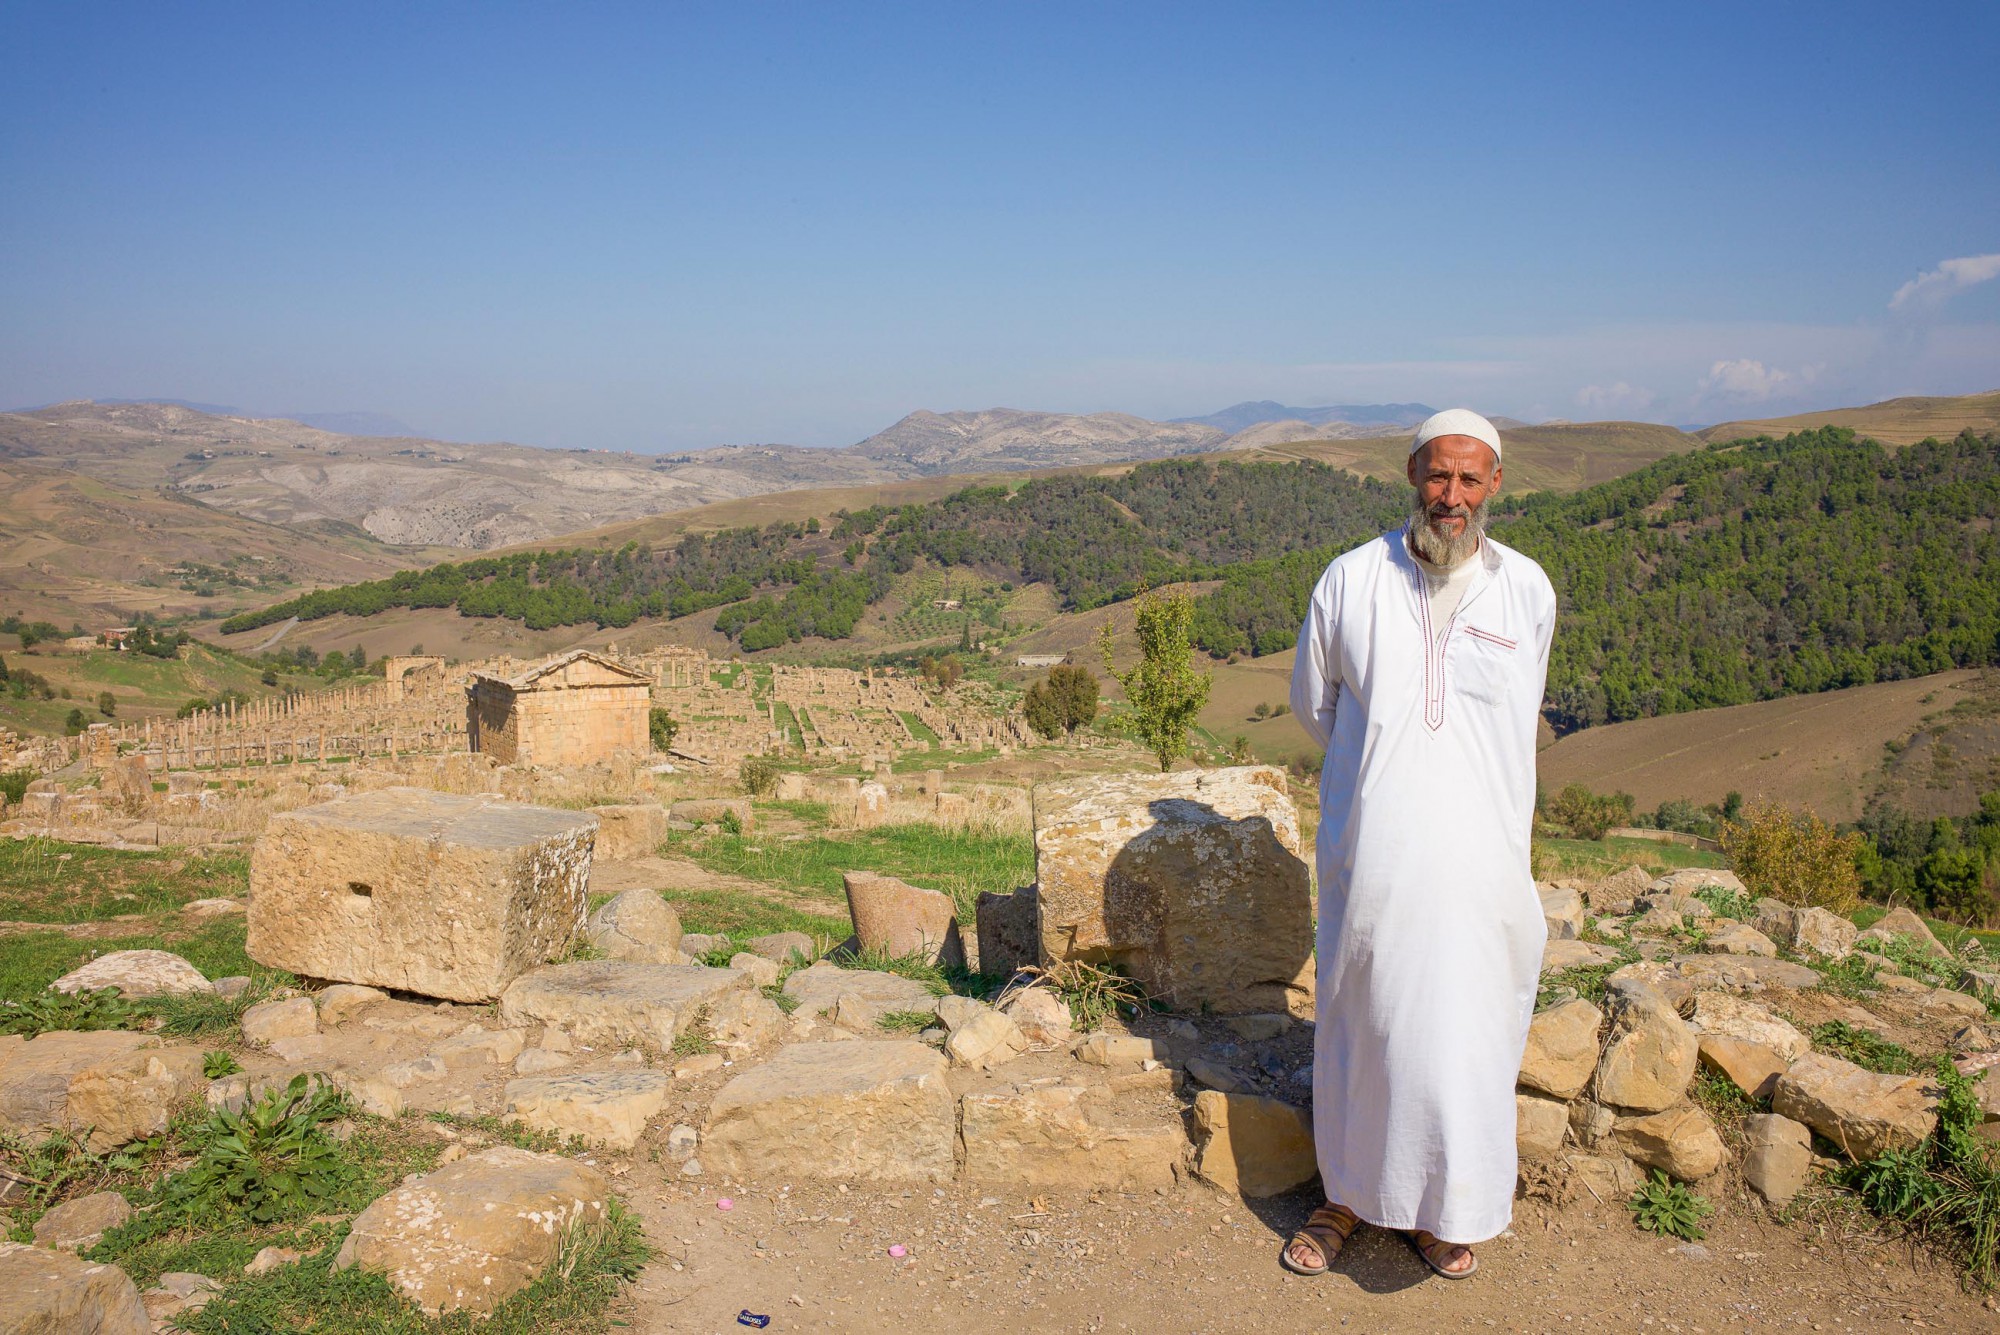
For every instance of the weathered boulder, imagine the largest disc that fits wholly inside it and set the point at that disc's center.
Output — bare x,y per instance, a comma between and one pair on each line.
1948,1001
126,786
821,988
951,810
343,1001
1606,1177
115,1085
1615,894
1590,1123
1777,1156
1558,955
1009,931
1562,909
1751,1067
77,1225
1823,933
428,892
616,1002
476,1048
1192,882
268,1021
44,1292
1739,938
609,1108
760,971
985,1041
1069,1136
136,973
629,831
1901,922
872,1112
743,1021
1102,1049
871,804
473,1233
1044,1017
782,947
176,1292
1253,1146
1688,880
1562,1049
898,919
1680,1142
1649,1059
715,811
1774,918
1724,1016
1539,1124
637,925
1865,1114
1742,973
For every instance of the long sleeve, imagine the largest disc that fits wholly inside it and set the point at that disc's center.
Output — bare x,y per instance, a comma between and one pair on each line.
1316,666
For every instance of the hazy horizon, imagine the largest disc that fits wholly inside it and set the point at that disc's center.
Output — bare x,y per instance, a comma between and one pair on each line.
668,229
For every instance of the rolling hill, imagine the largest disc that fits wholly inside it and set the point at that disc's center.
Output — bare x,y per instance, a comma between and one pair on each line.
1829,753
1893,421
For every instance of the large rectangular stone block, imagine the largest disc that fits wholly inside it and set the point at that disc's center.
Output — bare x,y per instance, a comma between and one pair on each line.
434,893
1191,882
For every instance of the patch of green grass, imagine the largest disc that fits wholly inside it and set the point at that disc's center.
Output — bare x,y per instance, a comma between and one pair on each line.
30,961
1838,1038
812,813
737,915
1719,1097
1585,980
1094,994
960,863
1558,859
694,1039
1850,977
521,1137
906,1022
47,880
918,728
1952,935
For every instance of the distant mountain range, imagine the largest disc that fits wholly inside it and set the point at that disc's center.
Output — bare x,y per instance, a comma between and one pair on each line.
1243,416
346,424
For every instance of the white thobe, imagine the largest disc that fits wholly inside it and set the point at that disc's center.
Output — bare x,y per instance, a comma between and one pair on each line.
1430,932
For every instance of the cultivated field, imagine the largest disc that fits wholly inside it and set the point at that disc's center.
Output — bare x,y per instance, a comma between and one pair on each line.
1893,421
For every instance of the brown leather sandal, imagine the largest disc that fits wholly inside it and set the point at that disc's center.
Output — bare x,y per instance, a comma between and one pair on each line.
1326,1232
1436,1253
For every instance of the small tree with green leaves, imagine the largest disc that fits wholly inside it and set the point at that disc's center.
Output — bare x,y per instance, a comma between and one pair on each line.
1165,691
75,723
107,704
1063,701
662,727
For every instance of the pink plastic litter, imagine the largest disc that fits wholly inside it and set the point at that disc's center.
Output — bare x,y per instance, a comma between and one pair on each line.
725,1204
899,1250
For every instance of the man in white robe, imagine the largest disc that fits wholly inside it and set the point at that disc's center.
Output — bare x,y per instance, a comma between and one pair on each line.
1420,669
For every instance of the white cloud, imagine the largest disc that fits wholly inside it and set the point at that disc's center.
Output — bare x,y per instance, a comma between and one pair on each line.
1617,397
1744,380
1931,289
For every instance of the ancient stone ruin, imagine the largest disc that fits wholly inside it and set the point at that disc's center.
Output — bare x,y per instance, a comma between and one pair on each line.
578,708
425,892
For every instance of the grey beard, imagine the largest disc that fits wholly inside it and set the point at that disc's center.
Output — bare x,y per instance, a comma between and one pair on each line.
1442,549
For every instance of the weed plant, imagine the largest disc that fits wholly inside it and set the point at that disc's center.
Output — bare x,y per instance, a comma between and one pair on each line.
1726,903
906,1022
1838,1038
1946,1189
1850,977
1671,1209
1094,994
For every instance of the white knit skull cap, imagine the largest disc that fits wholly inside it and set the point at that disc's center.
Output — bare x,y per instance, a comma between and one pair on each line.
1457,422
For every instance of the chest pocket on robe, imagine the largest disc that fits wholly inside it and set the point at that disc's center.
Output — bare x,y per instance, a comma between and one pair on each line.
1483,664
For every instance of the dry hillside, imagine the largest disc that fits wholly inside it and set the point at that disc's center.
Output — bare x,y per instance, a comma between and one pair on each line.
1822,752
1893,421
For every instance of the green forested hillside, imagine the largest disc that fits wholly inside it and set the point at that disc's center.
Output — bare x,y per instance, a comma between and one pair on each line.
1734,574
1094,540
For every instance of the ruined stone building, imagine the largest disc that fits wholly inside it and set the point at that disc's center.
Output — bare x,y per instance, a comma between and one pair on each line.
577,708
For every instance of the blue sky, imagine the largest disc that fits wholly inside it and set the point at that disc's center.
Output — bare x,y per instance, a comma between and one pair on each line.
662,226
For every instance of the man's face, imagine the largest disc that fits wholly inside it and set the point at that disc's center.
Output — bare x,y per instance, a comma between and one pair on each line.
1454,476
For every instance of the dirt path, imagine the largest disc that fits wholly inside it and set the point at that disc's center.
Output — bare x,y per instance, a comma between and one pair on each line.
815,1258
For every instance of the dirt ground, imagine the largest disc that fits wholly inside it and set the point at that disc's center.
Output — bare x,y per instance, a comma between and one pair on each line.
815,1257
